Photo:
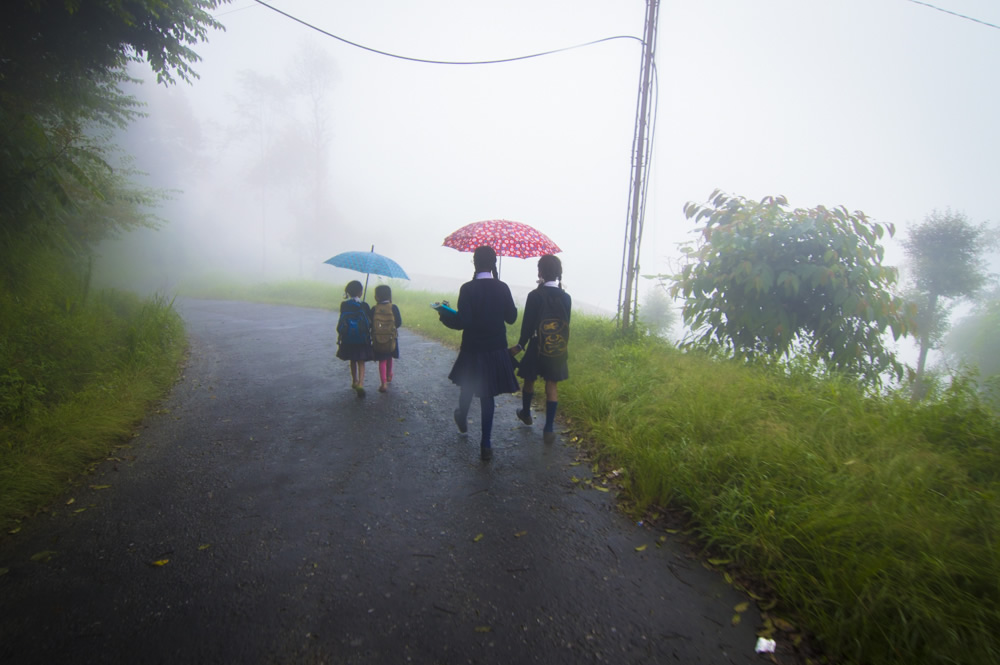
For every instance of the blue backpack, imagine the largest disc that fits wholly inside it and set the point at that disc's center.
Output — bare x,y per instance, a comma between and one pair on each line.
353,326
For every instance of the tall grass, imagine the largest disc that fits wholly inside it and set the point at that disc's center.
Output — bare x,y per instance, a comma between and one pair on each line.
77,371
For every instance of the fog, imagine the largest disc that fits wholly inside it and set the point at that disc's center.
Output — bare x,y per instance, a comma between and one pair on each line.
294,146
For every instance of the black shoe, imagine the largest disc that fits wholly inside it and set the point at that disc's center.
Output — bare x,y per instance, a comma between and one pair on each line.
524,415
548,437
463,424
485,453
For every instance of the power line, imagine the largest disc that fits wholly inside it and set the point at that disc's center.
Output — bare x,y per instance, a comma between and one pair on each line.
948,11
440,62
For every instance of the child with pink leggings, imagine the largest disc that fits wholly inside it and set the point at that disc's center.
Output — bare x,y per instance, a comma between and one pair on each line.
383,300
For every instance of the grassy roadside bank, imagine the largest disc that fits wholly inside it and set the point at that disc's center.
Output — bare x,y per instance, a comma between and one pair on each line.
77,372
874,522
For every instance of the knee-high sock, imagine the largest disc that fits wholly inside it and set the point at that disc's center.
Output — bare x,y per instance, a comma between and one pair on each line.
526,401
550,415
486,408
464,401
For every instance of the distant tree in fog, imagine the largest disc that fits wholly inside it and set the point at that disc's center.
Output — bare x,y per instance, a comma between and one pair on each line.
657,314
973,342
945,254
762,279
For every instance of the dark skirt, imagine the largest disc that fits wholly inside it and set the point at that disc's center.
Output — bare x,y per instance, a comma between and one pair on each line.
385,356
533,365
487,373
355,352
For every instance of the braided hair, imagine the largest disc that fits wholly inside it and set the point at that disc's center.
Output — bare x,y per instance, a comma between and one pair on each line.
485,259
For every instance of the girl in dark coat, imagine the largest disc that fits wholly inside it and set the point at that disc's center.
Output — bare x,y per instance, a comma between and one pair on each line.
553,366
356,353
484,367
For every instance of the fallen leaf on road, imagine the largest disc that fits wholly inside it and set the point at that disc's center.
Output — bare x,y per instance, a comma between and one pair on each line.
519,534
44,556
641,548
483,629
161,562
203,547
71,502
736,619
478,537
99,487
742,607
602,489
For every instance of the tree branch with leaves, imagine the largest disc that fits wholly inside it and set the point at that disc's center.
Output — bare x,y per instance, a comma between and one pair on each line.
763,279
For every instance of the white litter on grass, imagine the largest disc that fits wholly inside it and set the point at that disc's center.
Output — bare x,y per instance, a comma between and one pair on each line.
765,645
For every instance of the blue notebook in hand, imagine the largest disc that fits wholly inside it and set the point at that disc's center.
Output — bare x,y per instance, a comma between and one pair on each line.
444,306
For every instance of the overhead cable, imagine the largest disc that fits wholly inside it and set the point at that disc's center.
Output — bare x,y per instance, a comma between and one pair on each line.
440,62
948,11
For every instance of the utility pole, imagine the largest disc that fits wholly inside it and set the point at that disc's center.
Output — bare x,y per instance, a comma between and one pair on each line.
640,159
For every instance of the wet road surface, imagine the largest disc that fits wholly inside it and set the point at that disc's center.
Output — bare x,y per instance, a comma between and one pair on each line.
265,514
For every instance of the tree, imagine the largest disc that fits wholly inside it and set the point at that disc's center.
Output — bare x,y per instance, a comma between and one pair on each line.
946,257
61,68
762,279
974,342
656,314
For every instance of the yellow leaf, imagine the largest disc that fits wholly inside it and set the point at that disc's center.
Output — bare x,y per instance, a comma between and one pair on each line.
736,619
574,479
478,537
662,539
43,556
161,562
742,607
719,562
640,548
769,605
71,502
781,624
201,548
728,577
14,530
99,487
483,629
672,530
519,534
602,489
78,510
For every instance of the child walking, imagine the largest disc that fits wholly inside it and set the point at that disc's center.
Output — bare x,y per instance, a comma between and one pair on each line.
386,321
483,368
354,341
545,329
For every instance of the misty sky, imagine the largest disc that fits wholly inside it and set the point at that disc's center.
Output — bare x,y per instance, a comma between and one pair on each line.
883,106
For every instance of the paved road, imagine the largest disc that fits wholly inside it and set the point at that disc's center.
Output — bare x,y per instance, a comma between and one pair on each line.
300,524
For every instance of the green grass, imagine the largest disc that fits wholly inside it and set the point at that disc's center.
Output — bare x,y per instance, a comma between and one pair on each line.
77,372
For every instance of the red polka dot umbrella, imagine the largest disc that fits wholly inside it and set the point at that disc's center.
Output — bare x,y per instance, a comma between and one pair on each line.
505,237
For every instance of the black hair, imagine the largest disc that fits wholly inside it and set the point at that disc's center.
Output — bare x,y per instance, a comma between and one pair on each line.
383,293
354,289
550,268
485,258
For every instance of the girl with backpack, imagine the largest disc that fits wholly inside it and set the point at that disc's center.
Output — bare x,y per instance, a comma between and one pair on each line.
385,322
545,329
354,341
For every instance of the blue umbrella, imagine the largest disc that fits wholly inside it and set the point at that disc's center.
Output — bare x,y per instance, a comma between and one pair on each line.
369,263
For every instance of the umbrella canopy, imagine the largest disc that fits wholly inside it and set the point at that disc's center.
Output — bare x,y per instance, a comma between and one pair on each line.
507,238
368,263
